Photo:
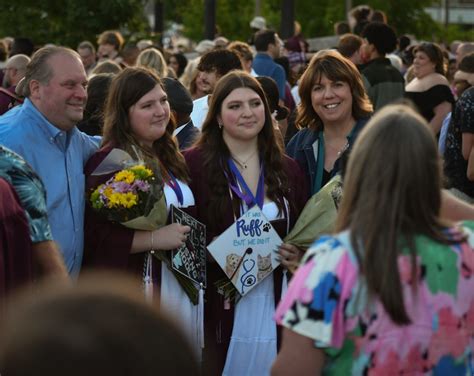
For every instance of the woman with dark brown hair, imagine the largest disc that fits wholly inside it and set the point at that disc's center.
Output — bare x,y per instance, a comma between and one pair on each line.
97,90
334,108
237,164
392,291
430,90
178,62
137,121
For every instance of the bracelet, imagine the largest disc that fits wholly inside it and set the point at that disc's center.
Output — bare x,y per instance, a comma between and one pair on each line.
152,248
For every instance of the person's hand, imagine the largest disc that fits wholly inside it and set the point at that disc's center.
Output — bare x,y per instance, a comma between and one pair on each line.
290,255
170,237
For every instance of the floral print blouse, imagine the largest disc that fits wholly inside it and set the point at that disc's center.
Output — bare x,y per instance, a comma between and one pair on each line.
327,301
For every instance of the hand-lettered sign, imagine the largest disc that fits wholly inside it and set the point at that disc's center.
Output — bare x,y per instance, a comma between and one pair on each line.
190,259
245,250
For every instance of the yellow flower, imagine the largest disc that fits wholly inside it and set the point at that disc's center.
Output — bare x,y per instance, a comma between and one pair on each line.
114,200
125,176
108,192
128,199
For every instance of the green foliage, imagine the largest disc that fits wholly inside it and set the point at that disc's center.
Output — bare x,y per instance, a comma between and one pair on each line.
232,17
406,16
453,32
316,17
189,13
68,22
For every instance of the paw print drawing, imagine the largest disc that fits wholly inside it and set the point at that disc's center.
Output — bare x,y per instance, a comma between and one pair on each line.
266,227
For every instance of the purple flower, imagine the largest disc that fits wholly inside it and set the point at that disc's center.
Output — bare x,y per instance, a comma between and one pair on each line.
121,187
141,185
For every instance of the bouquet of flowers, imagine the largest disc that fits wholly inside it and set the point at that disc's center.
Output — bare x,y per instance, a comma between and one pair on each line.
125,195
134,197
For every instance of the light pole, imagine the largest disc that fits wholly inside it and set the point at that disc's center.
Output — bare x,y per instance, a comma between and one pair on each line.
348,7
446,13
209,19
287,19
158,29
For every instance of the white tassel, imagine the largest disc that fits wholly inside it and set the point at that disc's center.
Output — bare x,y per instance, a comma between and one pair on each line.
284,283
201,316
148,278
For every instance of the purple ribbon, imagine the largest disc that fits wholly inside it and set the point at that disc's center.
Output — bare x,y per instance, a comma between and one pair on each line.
245,193
173,183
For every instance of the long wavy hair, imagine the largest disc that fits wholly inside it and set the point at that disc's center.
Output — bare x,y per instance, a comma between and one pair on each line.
336,68
392,193
126,89
216,152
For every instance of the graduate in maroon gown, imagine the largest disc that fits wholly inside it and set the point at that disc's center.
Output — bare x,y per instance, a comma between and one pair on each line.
137,121
238,148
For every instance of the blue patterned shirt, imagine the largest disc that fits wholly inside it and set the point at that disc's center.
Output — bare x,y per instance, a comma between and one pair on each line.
31,192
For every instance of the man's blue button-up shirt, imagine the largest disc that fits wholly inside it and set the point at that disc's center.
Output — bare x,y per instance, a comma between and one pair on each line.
58,157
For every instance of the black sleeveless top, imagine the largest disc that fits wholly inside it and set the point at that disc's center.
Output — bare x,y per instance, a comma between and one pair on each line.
426,101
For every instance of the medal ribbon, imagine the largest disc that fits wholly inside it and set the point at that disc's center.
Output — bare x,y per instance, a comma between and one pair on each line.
245,193
173,183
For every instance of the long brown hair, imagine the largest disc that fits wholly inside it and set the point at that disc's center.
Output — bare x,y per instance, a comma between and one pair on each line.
127,88
336,68
392,192
216,152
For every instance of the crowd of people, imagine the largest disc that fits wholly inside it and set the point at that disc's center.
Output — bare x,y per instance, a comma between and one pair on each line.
368,147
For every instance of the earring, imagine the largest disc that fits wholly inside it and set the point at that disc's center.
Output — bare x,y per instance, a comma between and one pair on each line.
220,125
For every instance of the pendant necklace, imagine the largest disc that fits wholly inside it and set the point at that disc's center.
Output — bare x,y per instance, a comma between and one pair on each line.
243,164
339,151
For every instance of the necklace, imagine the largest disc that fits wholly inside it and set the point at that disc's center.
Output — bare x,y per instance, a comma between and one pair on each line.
339,151
243,164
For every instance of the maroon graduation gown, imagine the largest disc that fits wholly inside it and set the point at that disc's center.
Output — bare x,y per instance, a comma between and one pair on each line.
218,322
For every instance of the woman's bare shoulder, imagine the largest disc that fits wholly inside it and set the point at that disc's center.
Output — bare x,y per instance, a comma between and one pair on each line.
436,79
427,82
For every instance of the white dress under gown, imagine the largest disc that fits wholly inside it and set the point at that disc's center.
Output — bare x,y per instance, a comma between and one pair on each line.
253,344
173,299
